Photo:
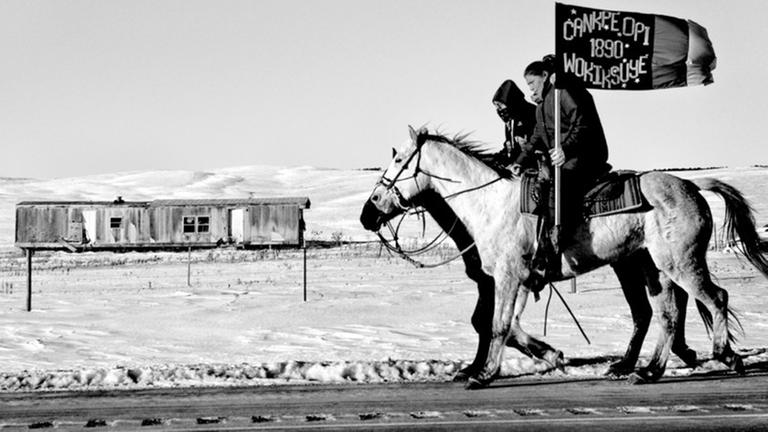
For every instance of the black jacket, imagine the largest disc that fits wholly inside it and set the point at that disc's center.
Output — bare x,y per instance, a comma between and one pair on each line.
582,137
520,121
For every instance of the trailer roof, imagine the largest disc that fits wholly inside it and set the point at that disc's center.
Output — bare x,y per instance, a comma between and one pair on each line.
299,201
84,203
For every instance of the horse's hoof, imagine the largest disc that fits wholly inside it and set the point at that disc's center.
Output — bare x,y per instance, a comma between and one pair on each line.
733,361
461,376
636,379
619,369
644,376
688,356
476,383
738,365
556,359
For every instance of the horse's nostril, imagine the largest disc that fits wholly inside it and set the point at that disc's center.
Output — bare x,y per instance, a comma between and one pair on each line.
375,198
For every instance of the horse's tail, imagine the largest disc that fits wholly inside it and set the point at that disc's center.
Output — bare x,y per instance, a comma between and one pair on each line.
739,224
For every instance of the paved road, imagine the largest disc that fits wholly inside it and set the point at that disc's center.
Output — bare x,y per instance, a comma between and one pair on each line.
715,402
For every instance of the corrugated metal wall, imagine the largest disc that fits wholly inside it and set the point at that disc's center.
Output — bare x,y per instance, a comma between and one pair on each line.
121,225
43,224
168,224
272,224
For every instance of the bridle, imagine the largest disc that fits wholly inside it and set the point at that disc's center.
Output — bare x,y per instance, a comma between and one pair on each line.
407,206
391,184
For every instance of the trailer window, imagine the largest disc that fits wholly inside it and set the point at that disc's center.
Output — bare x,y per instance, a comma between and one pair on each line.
189,224
197,224
115,222
203,223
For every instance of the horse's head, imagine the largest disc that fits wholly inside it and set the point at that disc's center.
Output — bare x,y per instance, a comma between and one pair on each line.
400,185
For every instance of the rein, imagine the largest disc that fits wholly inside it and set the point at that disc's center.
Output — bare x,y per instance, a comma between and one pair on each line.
546,312
391,184
472,189
406,255
440,238
419,264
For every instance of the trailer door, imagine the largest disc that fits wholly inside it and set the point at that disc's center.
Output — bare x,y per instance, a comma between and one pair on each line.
236,225
89,223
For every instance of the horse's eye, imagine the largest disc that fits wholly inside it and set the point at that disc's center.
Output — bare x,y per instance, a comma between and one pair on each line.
398,160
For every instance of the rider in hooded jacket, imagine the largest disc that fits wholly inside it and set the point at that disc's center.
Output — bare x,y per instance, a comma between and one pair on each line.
519,117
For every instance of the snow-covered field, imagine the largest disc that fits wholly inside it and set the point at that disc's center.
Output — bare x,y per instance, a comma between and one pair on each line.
103,320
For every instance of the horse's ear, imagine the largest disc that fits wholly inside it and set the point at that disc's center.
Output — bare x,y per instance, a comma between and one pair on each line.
412,133
394,152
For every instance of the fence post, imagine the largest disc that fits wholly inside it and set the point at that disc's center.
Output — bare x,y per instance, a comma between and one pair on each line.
189,266
305,272
29,280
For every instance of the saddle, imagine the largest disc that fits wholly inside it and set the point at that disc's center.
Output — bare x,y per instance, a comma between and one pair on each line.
614,192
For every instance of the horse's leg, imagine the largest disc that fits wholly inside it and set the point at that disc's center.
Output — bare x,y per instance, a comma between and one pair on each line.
679,346
631,272
662,292
481,321
447,219
687,267
714,298
528,344
505,294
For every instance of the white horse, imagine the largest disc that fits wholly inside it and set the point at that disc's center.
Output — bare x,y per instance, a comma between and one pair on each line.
664,245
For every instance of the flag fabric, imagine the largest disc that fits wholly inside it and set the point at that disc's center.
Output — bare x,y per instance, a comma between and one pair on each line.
614,50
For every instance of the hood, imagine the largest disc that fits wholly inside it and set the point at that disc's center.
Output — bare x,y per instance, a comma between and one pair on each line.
509,94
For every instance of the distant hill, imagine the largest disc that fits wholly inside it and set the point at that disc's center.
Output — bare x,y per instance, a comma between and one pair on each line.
337,195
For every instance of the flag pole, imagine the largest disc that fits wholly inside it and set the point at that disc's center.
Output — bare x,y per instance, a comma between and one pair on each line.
557,131
557,168
558,192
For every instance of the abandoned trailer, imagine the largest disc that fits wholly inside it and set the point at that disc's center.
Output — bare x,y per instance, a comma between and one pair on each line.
160,224
119,225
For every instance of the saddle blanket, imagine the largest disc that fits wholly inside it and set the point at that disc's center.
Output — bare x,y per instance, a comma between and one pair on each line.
616,192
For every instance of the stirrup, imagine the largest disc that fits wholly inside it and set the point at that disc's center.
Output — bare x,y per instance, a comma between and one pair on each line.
536,280
545,266
535,283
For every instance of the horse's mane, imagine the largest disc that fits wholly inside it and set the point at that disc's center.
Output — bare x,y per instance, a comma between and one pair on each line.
472,148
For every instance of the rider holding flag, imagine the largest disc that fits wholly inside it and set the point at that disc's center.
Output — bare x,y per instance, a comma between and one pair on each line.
582,157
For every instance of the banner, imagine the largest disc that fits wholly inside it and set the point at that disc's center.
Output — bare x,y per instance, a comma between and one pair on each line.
615,50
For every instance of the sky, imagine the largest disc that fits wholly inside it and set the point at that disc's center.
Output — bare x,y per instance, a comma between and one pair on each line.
103,86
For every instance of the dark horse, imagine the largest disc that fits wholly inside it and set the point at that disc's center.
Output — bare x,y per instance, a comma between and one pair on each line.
663,248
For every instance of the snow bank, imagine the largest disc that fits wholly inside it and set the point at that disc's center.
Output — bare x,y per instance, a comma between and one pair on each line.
298,372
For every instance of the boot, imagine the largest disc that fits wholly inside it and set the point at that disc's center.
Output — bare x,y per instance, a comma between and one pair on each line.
546,263
540,262
547,259
553,259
